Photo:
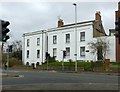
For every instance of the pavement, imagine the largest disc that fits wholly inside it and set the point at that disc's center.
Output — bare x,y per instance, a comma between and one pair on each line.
5,75
63,86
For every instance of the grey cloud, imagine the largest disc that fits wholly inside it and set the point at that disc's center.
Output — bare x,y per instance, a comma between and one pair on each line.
27,17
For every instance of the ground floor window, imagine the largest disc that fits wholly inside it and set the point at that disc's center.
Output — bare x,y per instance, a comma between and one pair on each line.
38,53
67,51
82,51
27,53
54,52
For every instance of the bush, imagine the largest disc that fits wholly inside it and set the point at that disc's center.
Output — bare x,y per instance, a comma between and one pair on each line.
17,54
50,59
4,58
114,63
55,64
82,64
98,64
14,61
88,66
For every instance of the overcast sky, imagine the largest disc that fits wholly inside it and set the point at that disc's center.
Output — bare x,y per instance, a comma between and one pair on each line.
34,16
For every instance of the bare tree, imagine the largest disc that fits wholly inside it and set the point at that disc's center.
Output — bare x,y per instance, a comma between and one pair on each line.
17,49
17,45
99,46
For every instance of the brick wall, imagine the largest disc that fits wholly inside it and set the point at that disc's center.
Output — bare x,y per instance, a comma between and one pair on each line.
117,50
117,15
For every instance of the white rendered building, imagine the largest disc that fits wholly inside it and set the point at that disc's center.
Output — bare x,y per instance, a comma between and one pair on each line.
34,47
63,38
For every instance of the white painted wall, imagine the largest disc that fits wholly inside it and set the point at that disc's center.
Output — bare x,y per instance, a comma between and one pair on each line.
61,44
112,48
33,49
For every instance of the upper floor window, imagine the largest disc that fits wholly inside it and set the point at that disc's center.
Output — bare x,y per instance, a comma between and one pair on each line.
82,51
27,53
28,42
67,51
67,38
55,39
38,41
54,52
38,53
82,36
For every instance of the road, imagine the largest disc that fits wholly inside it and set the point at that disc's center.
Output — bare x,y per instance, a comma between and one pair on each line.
47,78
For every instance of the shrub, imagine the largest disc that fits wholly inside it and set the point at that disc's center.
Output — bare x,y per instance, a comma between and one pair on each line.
55,64
69,63
4,58
50,59
98,64
70,60
87,67
14,61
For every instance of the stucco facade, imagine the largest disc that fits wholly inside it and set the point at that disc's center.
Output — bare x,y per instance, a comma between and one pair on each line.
47,45
63,38
32,47
61,44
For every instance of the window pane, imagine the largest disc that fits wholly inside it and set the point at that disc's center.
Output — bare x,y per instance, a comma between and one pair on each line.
38,41
28,42
38,53
82,51
27,53
82,36
68,51
67,38
54,52
55,39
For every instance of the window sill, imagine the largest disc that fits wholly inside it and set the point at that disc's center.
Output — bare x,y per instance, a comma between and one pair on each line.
67,43
82,41
82,56
67,57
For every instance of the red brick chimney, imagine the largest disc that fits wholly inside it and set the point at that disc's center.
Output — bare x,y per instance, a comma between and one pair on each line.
60,22
98,16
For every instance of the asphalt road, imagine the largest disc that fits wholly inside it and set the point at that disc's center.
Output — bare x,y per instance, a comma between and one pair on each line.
56,78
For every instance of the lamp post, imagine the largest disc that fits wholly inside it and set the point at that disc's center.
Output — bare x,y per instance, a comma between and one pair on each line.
0,55
42,45
75,36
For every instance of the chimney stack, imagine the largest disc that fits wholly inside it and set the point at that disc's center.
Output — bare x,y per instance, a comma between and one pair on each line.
98,16
60,22
117,13
118,5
